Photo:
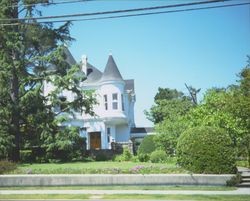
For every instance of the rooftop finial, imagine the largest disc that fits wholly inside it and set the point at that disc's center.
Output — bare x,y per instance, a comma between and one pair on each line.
110,52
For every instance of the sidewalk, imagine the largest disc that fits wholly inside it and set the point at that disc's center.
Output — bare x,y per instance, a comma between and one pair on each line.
240,191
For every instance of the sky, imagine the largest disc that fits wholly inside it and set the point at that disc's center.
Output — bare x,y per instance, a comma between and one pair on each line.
202,48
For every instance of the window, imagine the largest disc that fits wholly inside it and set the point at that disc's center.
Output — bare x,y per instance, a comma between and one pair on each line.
108,134
115,101
105,102
122,102
63,103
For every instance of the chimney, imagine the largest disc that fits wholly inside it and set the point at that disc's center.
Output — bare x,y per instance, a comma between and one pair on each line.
84,64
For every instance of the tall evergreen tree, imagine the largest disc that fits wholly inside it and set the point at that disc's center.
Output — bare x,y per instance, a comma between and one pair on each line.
28,50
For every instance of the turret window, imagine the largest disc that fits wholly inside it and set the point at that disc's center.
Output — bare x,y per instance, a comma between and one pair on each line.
115,101
105,97
122,102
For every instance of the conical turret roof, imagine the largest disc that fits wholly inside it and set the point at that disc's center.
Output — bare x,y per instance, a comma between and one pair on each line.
111,72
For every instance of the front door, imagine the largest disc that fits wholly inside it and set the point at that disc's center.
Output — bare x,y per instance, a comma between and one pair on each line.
95,140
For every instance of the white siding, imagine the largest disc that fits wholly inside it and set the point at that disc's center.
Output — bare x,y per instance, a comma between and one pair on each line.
122,133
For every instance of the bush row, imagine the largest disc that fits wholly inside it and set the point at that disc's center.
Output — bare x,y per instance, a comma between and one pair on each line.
203,149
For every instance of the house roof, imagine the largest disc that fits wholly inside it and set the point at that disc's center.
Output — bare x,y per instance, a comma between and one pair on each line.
93,74
111,71
142,130
69,58
129,85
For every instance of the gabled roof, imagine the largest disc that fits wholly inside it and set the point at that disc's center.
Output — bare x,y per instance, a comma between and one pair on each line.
93,74
111,72
69,58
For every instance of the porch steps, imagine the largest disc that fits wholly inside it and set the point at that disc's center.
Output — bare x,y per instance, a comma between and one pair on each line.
245,178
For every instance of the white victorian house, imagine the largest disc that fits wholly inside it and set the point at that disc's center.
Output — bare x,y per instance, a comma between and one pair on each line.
114,113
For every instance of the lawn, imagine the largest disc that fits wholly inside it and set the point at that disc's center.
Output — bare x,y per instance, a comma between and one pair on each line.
107,167
133,197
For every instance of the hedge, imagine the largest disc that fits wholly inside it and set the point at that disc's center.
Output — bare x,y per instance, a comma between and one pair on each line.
206,150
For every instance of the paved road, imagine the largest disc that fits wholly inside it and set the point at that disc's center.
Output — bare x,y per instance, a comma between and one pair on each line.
239,191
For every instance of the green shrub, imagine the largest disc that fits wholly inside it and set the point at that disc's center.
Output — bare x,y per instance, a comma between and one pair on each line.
158,156
118,158
147,145
206,150
234,180
143,157
6,166
26,156
125,156
101,157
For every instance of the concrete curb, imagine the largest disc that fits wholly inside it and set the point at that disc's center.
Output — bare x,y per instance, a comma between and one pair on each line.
119,179
241,191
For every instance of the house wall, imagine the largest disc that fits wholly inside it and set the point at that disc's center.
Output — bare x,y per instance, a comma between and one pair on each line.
108,89
95,125
122,133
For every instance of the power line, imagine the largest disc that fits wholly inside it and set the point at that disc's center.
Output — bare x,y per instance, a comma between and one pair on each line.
134,15
49,3
116,11
151,13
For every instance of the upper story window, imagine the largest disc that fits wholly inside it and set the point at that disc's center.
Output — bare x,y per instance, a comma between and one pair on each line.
115,101
122,102
105,97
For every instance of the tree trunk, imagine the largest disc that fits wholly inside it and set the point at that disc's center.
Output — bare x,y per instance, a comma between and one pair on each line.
15,156
14,93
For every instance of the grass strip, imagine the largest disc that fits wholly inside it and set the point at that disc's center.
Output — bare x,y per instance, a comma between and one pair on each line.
133,197
123,187
181,197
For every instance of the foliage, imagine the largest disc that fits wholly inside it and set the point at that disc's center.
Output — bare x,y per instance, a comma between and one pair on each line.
147,145
101,157
125,156
6,166
242,109
167,114
206,150
65,145
229,109
143,157
168,132
234,180
168,104
27,156
32,55
158,156
107,167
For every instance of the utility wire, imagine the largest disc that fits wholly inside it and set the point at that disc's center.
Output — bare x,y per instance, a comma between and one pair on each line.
115,11
133,15
149,13
49,3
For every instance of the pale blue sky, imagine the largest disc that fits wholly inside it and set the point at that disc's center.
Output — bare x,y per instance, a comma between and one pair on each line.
204,48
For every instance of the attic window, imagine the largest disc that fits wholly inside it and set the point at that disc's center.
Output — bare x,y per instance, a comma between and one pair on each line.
89,70
115,101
